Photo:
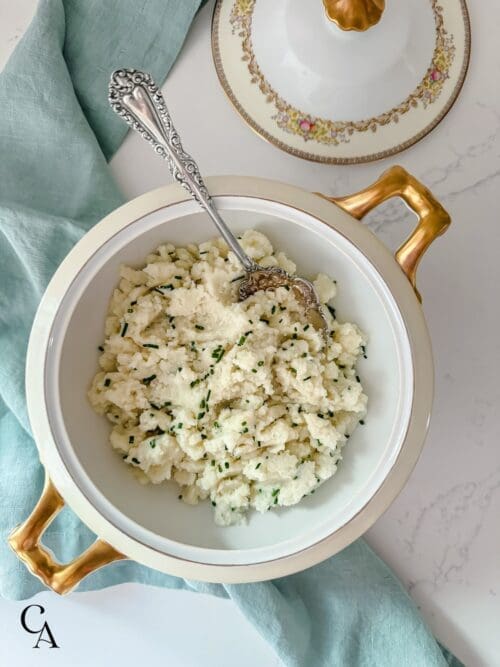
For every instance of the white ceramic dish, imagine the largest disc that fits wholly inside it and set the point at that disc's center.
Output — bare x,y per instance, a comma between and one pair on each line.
149,524
329,95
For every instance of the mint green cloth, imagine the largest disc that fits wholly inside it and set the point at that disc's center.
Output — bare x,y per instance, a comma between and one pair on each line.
56,132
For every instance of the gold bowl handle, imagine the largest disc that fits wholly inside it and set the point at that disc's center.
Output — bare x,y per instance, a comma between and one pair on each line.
25,540
433,219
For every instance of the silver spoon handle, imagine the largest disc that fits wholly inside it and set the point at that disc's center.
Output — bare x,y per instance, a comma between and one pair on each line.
137,99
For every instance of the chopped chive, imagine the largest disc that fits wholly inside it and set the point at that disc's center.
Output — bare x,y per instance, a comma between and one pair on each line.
203,252
152,345
362,422
216,425
203,437
212,462
107,382
282,308
241,341
154,406
320,415
149,379
332,311
235,279
200,415
254,370
130,310
307,378
155,289
306,327
247,333
131,439
275,493
179,426
260,363
134,460
214,503
226,465
263,319
208,395
179,496
132,303
152,444
100,348
258,465
124,330
294,336
357,378
304,355
199,327
219,468
178,277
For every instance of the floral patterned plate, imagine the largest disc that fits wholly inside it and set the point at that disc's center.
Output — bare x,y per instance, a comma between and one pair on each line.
340,97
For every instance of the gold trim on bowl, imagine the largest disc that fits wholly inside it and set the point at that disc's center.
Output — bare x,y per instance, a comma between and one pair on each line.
334,133
25,540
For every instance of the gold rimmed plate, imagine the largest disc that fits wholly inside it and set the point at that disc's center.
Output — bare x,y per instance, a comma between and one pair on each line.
336,96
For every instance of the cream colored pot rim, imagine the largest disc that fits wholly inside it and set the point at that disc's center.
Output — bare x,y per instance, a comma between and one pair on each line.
376,253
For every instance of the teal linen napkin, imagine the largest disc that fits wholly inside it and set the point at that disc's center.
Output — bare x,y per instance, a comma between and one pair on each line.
56,132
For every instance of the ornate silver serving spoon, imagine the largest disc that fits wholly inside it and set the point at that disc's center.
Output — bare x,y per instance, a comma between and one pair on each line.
135,97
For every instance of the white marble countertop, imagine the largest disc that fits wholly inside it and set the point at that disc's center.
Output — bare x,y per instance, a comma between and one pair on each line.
441,535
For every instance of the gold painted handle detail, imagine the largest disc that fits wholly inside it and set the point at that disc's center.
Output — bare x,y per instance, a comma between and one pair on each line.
25,540
356,15
433,219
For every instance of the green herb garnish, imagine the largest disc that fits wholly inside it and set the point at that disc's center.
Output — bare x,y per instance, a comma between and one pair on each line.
149,379
124,330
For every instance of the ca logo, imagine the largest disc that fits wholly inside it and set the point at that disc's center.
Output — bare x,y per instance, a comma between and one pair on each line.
44,633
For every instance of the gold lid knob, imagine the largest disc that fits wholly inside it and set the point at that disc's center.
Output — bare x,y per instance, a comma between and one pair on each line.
354,14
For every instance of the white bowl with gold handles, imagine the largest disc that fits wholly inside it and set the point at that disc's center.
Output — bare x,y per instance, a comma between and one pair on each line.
149,524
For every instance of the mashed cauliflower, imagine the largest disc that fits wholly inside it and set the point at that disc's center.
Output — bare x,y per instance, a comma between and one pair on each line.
240,403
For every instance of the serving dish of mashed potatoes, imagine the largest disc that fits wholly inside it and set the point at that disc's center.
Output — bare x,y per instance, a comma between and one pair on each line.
245,403
143,312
